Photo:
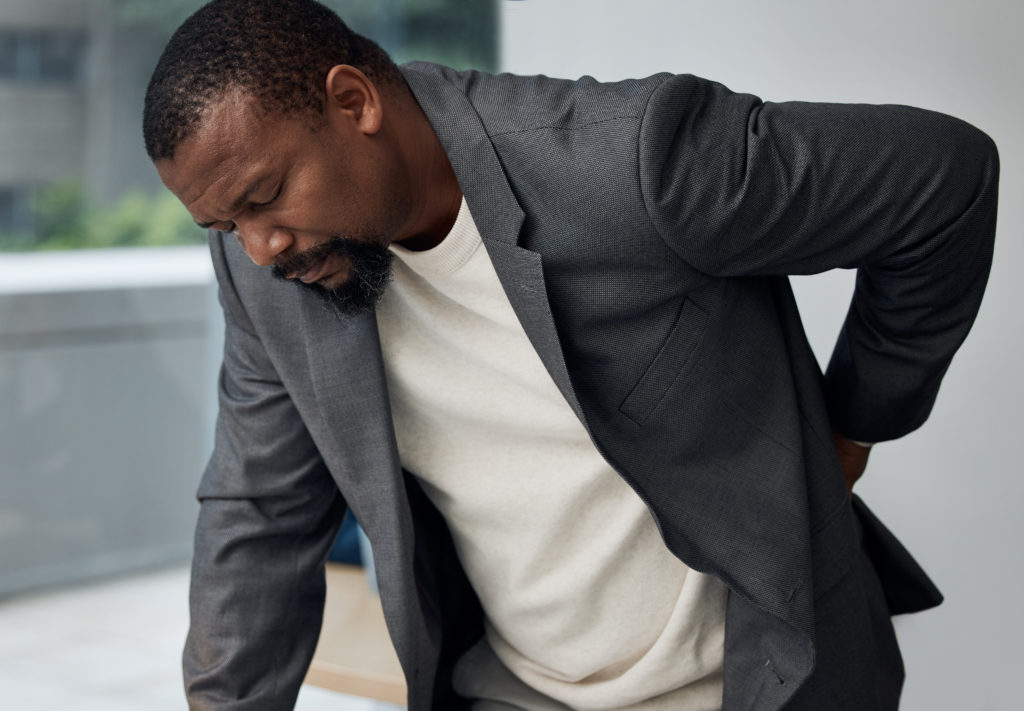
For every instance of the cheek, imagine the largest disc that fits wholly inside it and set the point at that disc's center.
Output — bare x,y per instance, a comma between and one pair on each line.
349,194
317,203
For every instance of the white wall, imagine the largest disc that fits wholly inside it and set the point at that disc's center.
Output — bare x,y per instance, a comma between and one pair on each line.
953,490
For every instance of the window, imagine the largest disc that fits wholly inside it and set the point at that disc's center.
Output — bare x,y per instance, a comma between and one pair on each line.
8,55
41,57
61,57
16,218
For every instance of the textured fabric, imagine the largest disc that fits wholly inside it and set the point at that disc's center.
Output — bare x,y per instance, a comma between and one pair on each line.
480,675
553,541
640,231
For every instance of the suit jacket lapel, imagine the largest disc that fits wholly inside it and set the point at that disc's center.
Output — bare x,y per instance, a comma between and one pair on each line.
356,437
347,373
497,215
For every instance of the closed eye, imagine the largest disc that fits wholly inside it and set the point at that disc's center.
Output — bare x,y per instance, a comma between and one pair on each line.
231,227
277,194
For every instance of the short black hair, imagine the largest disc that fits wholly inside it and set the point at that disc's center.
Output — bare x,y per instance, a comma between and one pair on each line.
277,51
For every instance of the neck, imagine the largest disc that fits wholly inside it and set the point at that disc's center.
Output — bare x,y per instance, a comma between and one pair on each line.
436,191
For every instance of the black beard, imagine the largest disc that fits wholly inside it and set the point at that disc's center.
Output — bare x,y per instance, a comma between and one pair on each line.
369,273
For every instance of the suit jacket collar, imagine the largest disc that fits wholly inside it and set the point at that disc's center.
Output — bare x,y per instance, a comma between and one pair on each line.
495,209
496,212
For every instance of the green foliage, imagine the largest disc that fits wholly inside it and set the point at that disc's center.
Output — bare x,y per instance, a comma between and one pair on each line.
58,212
65,219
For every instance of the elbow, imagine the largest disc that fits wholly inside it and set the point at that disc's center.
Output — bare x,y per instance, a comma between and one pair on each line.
979,156
987,157
975,165
987,150
973,231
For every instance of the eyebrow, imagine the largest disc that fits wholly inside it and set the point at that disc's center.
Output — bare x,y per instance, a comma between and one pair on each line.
236,203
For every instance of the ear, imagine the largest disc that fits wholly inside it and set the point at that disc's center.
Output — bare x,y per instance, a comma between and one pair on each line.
352,97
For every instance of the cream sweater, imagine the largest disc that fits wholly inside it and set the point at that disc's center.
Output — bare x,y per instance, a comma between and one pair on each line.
585,607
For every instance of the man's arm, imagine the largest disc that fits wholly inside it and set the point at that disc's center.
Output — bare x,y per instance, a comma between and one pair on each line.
269,511
740,187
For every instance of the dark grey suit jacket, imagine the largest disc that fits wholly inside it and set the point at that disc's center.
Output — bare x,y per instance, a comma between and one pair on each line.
641,231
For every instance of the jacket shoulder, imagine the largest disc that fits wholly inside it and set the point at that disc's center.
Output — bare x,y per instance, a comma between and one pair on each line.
510,103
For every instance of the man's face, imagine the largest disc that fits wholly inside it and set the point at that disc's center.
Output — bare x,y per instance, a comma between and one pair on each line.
320,206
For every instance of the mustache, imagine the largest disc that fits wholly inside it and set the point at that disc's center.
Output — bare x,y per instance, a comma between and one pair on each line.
299,263
369,267
358,251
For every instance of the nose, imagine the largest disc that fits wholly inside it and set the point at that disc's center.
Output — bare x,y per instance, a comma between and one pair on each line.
263,243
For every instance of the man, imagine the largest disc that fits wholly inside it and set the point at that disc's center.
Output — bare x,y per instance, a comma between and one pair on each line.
582,426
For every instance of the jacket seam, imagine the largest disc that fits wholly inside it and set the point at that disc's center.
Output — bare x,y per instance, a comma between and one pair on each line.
554,127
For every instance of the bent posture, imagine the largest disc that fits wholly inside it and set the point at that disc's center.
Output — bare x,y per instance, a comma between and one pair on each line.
537,334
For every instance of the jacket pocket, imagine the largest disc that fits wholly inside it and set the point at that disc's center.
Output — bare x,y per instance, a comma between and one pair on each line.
673,358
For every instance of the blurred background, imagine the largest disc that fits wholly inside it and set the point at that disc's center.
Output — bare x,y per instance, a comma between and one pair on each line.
109,329
110,337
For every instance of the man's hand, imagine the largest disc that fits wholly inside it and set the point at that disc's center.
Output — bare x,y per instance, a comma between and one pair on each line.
853,457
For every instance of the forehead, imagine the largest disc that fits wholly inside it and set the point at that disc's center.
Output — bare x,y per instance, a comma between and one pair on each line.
235,139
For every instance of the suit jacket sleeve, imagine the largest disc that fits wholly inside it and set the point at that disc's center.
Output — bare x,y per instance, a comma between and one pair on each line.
741,187
269,511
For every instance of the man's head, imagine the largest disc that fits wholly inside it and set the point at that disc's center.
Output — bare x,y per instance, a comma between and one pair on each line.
276,51
271,119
